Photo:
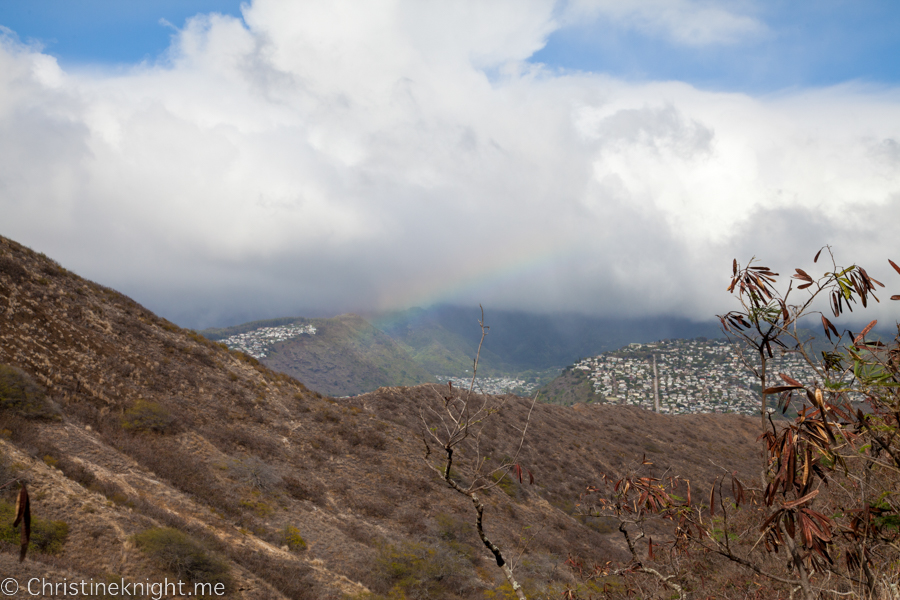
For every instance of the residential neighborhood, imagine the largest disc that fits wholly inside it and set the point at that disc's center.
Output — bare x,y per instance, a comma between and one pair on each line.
698,375
492,385
257,343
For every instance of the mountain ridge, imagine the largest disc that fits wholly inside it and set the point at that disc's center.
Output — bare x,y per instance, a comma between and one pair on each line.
142,428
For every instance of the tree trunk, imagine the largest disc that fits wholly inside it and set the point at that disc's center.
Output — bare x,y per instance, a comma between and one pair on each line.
498,556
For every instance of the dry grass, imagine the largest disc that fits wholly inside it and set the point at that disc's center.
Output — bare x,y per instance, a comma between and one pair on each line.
161,428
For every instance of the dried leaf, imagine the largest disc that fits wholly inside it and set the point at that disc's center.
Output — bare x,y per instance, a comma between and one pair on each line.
816,259
734,267
781,388
712,500
737,491
23,517
893,264
801,274
870,279
803,500
828,326
790,380
862,334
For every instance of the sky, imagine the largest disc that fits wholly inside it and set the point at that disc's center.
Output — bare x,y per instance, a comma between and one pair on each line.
221,161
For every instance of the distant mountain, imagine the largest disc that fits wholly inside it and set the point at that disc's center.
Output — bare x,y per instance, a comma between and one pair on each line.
350,354
346,355
519,341
141,441
438,348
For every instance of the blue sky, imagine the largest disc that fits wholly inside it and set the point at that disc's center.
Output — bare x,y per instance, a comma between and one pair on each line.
819,43
221,162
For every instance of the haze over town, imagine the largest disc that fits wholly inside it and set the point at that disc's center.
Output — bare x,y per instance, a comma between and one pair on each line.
222,162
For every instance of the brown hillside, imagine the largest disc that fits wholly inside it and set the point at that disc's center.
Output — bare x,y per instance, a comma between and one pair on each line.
143,425
347,356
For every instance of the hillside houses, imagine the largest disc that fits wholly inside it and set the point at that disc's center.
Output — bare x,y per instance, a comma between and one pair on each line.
694,376
258,342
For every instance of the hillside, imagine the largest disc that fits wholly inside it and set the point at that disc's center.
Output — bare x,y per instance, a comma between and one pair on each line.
352,354
572,386
346,356
439,350
128,425
698,375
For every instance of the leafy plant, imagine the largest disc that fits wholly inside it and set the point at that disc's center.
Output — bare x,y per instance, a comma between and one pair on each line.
830,493
148,416
20,394
290,537
184,556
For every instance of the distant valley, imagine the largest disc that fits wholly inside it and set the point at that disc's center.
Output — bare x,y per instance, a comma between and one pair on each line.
140,441
349,355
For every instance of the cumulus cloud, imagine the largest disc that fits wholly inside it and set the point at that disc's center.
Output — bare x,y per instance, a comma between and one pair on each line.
320,158
684,22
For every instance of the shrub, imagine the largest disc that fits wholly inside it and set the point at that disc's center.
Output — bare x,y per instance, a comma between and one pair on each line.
184,556
419,571
21,395
290,537
12,269
253,472
47,537
305,489
148,416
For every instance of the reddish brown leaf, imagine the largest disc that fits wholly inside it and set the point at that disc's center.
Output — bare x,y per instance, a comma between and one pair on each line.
23,517
737,491
650,550
781,388
870,279
790,380
801,274
789,524
804,286
895,297
734,267
862,334
816,259
828,326
893,264
803,500
712,501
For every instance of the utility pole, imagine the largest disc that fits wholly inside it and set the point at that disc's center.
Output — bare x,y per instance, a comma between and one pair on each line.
655,386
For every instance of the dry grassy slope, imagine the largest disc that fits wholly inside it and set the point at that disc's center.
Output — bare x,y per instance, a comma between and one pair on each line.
572,386
346,356
249,451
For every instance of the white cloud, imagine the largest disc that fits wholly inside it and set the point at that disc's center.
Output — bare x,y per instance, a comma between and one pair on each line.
685,22
355,156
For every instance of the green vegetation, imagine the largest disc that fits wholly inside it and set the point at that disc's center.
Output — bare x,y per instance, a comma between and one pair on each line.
20,394
417,570
290,537
148,416
571,387
182,555
47,537
346,356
